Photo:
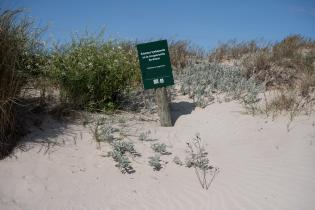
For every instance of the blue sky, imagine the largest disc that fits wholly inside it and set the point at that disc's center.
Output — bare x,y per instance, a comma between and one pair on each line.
204,23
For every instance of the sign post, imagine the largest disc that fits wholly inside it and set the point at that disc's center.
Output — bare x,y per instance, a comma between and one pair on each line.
157,74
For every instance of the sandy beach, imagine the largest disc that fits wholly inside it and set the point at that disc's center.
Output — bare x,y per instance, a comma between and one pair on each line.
157,105
261,164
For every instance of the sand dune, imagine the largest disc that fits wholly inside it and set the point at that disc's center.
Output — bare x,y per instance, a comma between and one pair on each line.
262,166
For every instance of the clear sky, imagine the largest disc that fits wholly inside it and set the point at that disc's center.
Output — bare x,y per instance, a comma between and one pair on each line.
205,23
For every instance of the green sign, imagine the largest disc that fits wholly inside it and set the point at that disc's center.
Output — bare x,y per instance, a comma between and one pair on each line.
155,64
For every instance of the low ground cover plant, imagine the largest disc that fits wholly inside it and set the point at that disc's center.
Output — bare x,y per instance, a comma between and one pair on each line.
202,81
119,154
160,148
177,161
155,162
145,136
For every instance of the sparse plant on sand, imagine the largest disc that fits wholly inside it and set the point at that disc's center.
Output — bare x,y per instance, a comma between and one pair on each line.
177,161
109,128
104,131
121,120
144,136
119,154
124,146
155,162
160,148
123,162
198,159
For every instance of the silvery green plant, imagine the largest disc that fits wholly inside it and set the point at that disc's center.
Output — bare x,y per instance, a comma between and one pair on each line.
121,120
123,162
155,162
160,148
119,154
198,159
144,136
123,147
177,161
201,81
104,131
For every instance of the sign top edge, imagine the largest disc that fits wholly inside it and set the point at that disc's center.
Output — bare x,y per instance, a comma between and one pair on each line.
163,40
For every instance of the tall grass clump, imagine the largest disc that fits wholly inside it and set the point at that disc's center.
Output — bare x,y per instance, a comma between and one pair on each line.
18,45
233,50
183,53
286,66
288,63
92,73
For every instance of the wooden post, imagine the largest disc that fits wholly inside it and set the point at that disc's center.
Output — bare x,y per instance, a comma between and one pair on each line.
163,107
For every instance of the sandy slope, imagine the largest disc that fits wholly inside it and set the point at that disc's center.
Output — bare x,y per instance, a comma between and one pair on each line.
262,166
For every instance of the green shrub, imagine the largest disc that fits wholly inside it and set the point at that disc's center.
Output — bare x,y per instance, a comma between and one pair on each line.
93,73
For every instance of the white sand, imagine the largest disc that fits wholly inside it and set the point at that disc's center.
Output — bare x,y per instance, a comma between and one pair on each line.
262,166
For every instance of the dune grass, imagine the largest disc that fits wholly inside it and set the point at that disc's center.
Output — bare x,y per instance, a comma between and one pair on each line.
18,48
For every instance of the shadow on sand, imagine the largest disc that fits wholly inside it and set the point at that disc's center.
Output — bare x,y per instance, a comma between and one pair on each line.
44,136
181,108
43,131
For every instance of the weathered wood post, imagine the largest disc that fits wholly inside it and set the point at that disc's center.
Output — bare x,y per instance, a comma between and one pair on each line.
157,73
163,104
